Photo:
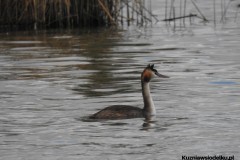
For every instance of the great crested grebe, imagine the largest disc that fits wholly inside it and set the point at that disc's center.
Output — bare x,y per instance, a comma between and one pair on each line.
125,111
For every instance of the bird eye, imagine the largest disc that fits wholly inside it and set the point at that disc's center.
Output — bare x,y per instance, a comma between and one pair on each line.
154,70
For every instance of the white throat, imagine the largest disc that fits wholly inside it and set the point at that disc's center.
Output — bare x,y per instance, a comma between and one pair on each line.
149,108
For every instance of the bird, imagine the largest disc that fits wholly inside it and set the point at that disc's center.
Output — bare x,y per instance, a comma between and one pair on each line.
126,111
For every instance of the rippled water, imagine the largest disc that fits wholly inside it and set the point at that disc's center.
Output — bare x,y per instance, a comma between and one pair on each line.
50,81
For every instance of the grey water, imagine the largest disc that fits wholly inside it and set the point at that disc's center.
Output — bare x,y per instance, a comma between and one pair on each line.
50,81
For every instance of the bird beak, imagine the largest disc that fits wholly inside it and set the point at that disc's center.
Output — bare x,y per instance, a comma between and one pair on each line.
160,75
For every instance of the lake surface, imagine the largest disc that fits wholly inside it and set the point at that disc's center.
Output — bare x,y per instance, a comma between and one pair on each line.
50,81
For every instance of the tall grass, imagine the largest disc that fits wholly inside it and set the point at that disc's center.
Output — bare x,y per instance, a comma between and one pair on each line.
71,13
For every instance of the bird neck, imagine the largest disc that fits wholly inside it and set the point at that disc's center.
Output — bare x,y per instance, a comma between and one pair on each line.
149,108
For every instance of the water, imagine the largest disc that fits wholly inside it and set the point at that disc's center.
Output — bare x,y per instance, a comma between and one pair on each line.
51,80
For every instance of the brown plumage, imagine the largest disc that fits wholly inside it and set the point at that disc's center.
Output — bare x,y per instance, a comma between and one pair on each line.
118,112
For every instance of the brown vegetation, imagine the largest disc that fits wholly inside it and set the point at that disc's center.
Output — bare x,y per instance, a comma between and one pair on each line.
70,13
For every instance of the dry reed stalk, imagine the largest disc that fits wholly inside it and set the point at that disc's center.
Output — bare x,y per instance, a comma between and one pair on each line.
214,12
236,14
106,10
225,9
184,11
199,11
171,9
128,17
180,11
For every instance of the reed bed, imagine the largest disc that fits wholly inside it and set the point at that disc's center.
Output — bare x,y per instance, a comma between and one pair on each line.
182,10
38,14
